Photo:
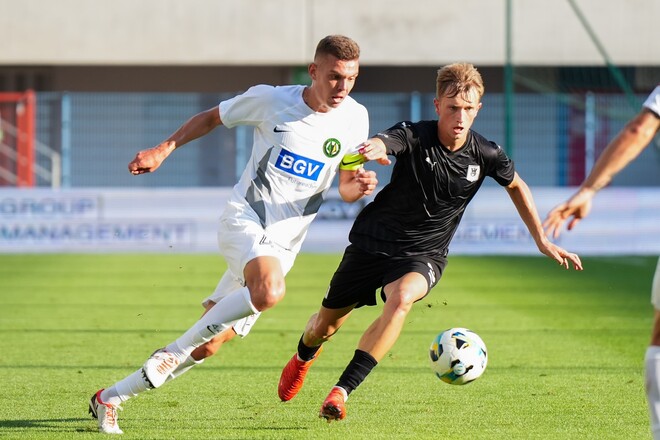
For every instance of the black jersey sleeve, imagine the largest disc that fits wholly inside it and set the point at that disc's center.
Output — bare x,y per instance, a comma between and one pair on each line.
501,167
398,138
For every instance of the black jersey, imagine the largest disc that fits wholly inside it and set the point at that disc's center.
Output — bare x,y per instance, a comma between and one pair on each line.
418,212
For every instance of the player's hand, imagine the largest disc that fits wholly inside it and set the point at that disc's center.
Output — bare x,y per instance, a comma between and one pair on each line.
577,207
374,150
366,180
147,161
561,256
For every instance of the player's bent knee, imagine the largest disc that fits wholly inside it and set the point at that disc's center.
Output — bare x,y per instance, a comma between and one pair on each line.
264,299
266,289
402,300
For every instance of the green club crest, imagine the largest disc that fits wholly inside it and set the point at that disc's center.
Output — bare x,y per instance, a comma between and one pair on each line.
331,147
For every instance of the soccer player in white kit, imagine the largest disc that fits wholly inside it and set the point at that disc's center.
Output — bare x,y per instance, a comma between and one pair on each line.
626,146
302,137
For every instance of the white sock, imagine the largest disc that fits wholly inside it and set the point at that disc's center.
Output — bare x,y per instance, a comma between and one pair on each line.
183,368
343,392
223,315
228,310
652,375
135,384
130,386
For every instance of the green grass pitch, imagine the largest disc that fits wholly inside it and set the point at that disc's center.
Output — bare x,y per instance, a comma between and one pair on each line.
565,348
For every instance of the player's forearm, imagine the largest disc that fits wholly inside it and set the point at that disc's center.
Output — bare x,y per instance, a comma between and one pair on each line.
350,192
353,185
195,127
615,157
522,199
623,149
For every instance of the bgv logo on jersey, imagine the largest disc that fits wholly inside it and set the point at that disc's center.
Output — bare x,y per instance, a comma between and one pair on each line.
297,165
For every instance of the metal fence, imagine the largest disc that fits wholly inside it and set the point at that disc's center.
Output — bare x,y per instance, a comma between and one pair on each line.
556,136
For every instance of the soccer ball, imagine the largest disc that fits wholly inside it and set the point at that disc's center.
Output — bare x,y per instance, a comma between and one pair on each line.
458,356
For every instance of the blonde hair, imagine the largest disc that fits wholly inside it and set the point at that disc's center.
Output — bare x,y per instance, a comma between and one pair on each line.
339,46
458,79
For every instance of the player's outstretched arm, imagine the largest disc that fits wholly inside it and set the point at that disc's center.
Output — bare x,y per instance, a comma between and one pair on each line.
624,148
147,161
522,199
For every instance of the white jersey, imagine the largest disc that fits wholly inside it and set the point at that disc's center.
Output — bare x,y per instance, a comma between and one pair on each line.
295,156
653,101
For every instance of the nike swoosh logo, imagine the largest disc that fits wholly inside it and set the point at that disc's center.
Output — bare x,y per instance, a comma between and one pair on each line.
276,129
351,162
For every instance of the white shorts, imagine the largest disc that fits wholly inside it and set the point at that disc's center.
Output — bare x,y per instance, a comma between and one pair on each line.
655,290
241,240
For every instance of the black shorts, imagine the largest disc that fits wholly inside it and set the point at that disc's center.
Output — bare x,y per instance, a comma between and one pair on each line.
361,274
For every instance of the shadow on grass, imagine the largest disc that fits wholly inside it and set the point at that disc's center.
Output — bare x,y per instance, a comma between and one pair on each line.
45,425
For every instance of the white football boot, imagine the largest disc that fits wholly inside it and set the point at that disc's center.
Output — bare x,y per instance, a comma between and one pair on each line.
159,367
105,413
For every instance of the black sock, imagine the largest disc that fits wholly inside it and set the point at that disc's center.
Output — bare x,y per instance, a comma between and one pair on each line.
306,353
357,370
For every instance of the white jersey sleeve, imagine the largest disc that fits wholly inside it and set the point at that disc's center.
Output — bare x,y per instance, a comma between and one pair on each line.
653,101
295,156
250,108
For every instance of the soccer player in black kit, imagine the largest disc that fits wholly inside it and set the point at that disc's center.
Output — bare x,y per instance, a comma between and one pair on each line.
400,241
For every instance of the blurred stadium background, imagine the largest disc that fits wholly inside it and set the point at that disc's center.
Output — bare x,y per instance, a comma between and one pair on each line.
85,85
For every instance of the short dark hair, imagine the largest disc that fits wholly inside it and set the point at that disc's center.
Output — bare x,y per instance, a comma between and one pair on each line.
339,46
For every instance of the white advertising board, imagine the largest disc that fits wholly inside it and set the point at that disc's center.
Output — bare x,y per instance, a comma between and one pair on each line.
623,221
